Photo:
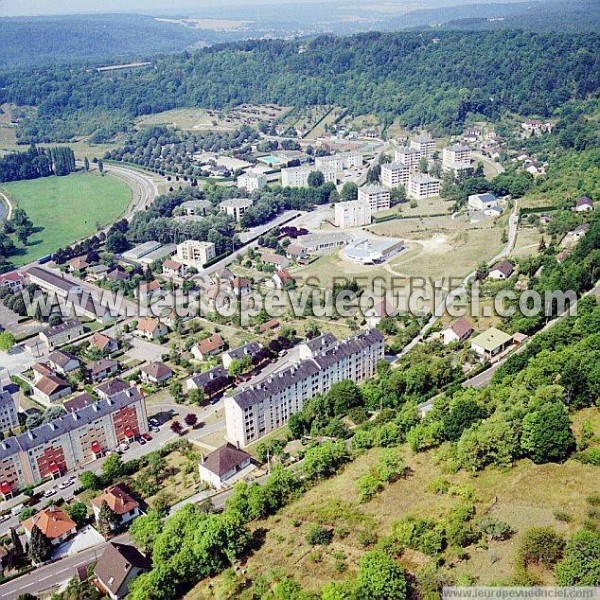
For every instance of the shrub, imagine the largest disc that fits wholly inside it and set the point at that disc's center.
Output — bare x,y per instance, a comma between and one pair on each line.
494,529
422,534
318,535
541,545
366,538
368,486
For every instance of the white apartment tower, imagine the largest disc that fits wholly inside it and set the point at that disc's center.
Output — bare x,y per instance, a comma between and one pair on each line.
260,408
195,254
376,196
252,181
408,157
298,176
421,185
425,144
355,213
456,154
339,162
394,174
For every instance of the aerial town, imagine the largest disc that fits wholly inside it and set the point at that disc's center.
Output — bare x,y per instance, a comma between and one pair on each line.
318,352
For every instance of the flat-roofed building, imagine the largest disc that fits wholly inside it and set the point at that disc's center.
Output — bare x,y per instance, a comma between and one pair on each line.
8,411
339,161
235,207
421,185
195,253
354,213
252,181
140,251
394,174
408,156
424,143
298,176
256,410
196,208
456,153
482,201
378,197
321,243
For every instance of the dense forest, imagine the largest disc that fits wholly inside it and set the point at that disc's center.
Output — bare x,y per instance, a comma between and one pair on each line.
36,162
416,77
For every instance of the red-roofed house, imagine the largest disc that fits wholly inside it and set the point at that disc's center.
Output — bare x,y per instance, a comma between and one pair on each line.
222,464
458,331
53,523
501,270
120,503
13,281
172,268
209,347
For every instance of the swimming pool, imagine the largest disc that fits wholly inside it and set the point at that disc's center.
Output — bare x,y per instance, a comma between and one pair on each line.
270,160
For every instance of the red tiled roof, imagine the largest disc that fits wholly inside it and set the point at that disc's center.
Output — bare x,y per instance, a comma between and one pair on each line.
214,342
119,501
52,522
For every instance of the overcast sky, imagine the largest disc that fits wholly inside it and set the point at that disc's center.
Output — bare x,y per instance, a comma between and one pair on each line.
12,8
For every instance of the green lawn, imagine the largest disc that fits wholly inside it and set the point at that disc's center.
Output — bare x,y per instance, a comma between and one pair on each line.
65,209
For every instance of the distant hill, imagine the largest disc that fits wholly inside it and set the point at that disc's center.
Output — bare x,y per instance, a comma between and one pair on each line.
93,38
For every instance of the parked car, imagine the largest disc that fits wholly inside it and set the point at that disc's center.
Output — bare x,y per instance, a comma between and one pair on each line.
65,484
17,510
142,441
4,518
49,492
146,436
153,422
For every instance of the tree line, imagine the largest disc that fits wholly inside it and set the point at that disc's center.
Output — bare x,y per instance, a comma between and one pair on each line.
36,162
418,79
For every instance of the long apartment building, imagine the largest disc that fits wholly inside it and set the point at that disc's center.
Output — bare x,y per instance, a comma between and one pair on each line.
421,185
67,443
377,197
394,174
298,176
255,411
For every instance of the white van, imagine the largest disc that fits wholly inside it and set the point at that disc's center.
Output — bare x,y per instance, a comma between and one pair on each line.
17,510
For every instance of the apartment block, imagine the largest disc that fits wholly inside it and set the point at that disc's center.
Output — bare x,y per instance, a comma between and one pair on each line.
298,176
196,254
376,196
355,213
394,174
235,207
252,181
409,157
421,185
456,154
255,411
425,144
8,411
68,443
339,162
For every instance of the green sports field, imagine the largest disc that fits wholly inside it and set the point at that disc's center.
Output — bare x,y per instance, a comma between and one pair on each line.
65,209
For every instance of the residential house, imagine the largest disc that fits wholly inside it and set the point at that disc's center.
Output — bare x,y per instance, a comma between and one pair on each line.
212,382
62,334
457,331
53,522
148,289
117,274
269,326
13,281
156,372
241,286
118,566
281,278
111,387
296,253
77,265
218,467
122,505
251,350
151,329
584,204
79,402
103,368
172,268
277,260
490,343
97,273
501,270
63,362
42,369
50,388
208,347
103,343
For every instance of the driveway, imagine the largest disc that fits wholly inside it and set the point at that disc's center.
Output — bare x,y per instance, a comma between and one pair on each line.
18,360
86,538
144,350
